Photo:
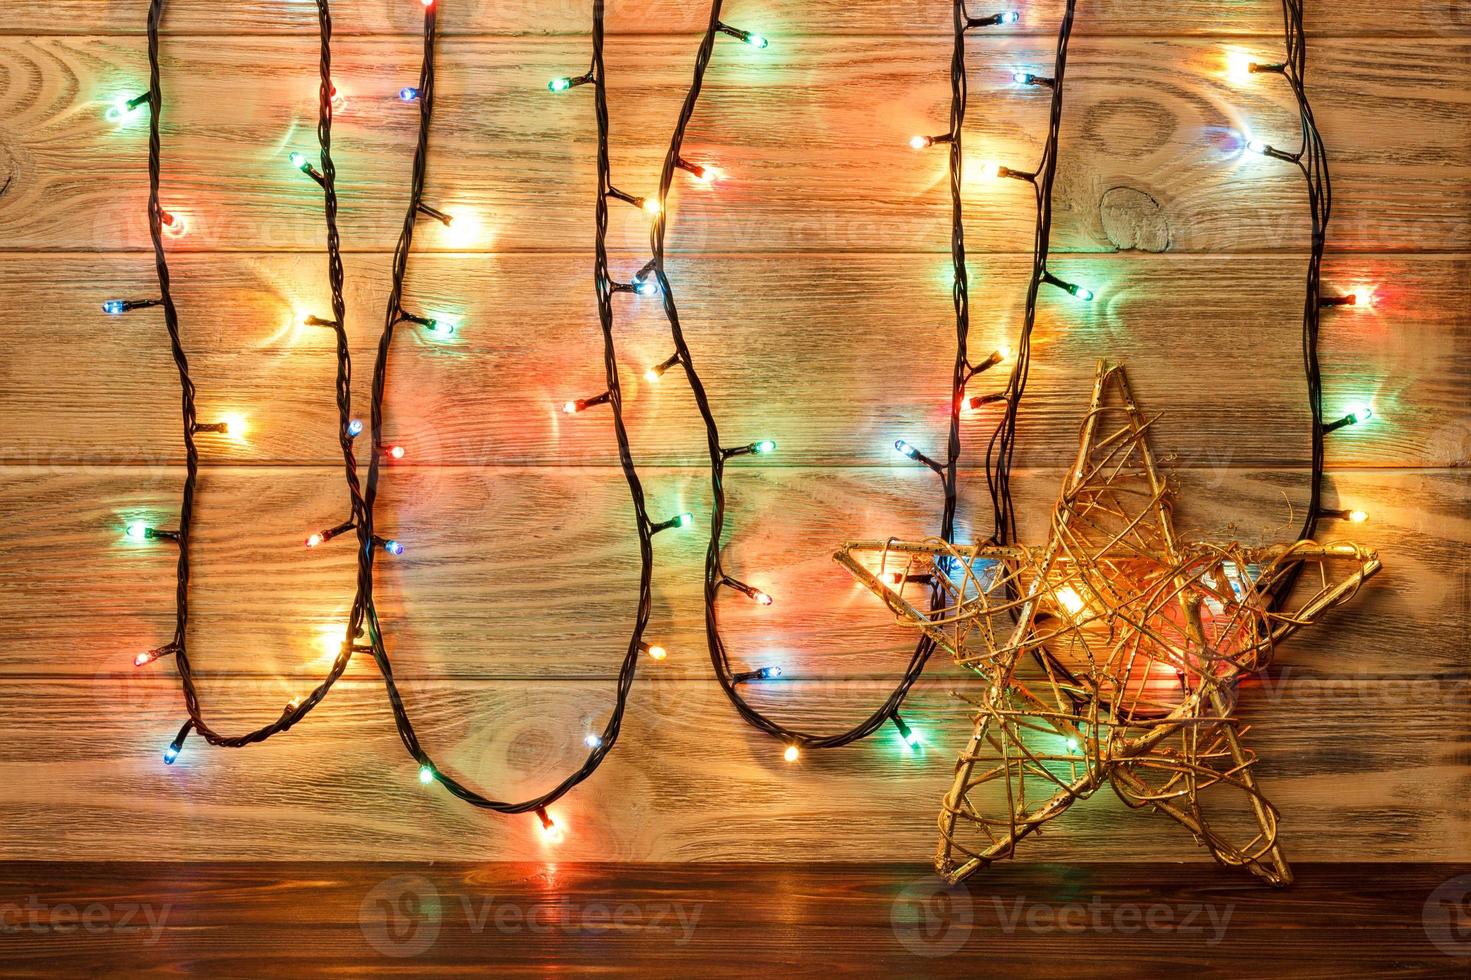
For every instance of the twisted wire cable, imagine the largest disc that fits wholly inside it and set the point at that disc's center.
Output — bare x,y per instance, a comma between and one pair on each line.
179,646
363,607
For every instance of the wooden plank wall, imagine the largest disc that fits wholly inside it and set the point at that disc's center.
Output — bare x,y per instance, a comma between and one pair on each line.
815,291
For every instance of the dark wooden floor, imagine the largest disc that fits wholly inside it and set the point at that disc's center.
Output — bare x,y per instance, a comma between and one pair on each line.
1114,920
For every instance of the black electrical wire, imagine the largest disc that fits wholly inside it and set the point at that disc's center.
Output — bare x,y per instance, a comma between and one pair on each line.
716,577
179,647
363,607
1311,159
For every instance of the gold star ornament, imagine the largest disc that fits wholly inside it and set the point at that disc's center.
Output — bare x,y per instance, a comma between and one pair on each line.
1109,656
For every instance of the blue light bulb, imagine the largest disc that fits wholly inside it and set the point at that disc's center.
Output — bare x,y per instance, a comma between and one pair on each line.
408,93
1010,17
646,287
393,547
170,754
113,307
592,741
905,449
355,427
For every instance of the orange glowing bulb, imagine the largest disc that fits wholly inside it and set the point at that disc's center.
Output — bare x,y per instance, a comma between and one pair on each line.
652,205
658,653
791,754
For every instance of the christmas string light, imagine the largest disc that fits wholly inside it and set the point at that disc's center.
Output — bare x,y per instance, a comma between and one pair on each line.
1311,159
161,223
1001,448
716,578
599,744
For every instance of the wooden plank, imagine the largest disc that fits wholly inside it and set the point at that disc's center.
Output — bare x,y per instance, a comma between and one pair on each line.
1345,18
687,780
513,572
528,918
1152,145
1210,342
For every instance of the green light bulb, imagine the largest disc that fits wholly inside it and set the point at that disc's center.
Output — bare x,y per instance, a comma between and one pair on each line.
426,775
756,41
298,160
559,84
764,446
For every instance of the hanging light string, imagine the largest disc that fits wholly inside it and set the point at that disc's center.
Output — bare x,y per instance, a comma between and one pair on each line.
716,576
1312,160
182,537
1001,449
598,745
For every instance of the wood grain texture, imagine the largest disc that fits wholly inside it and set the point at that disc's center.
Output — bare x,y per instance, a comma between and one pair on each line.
815,290
728,920
533,572
814,134
687,780
779,21
1210,343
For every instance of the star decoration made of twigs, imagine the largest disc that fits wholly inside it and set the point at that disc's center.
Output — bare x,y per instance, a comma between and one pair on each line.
1111,655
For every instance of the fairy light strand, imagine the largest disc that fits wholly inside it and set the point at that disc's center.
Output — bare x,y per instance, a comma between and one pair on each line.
716,578
598,744
650,280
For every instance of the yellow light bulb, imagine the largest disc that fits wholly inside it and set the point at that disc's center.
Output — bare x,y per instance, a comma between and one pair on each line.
329,640
1238,67
652,205
658,653
1070,600
791,754
1357,516
236,425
